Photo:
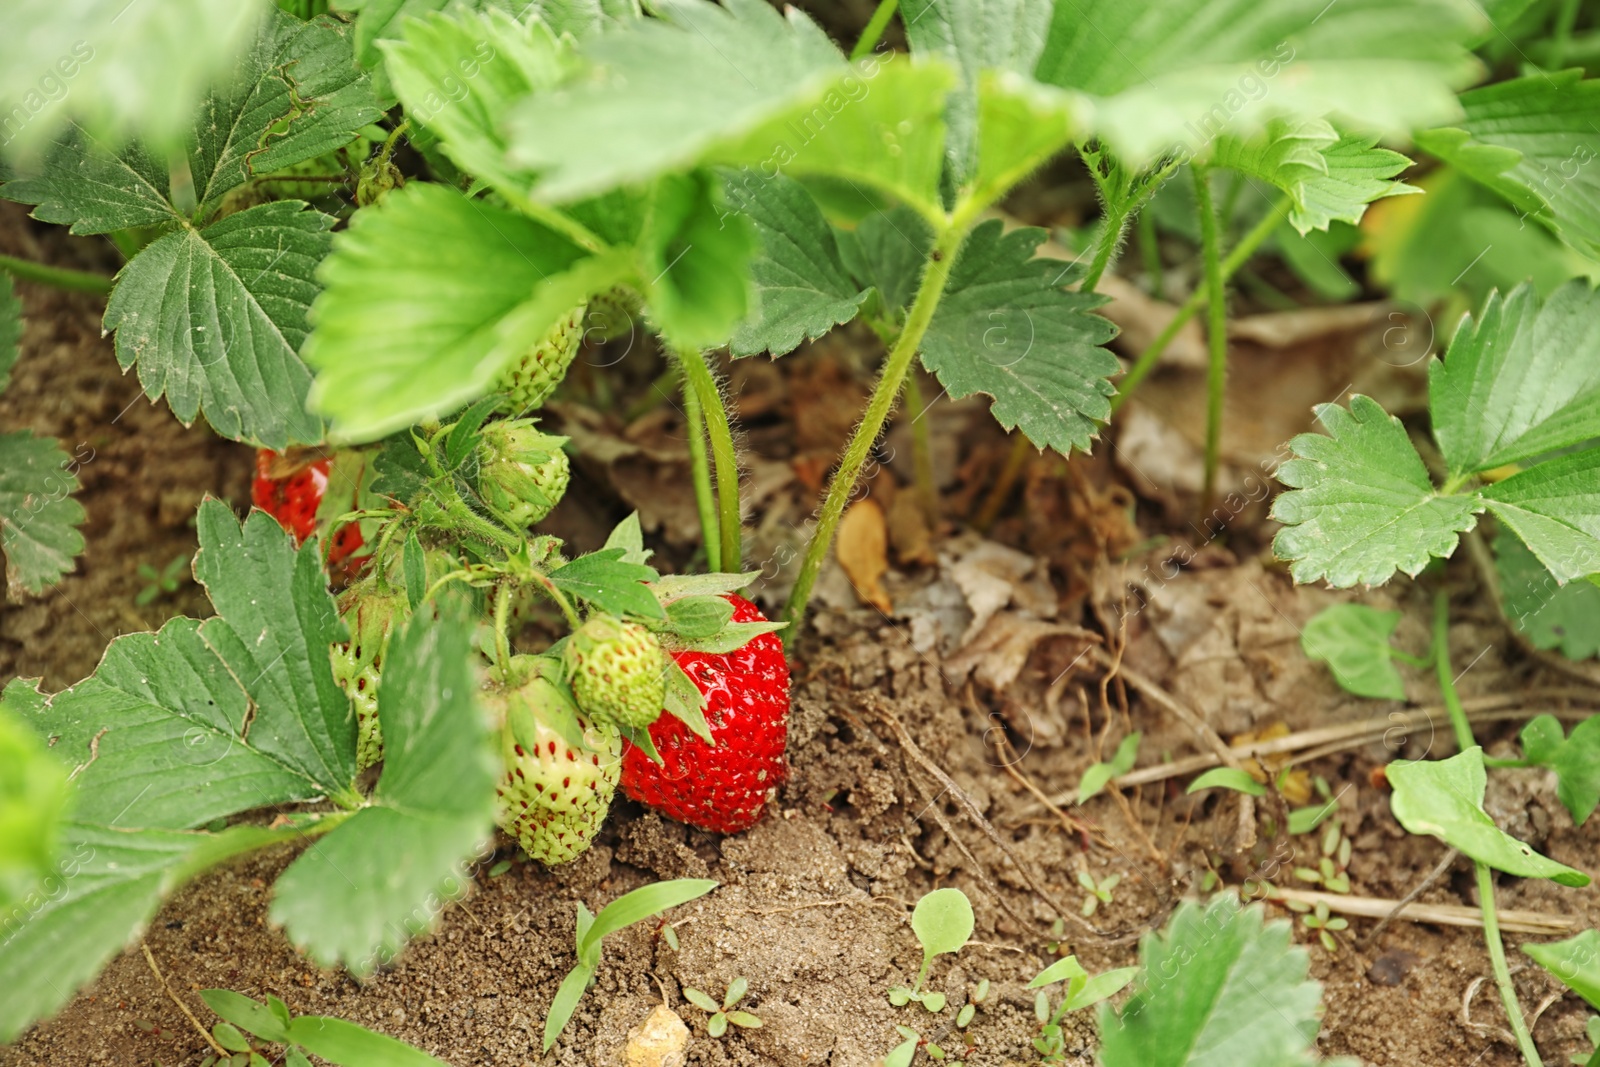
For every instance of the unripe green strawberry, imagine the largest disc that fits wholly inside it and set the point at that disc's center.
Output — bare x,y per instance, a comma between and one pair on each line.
612,314
371,618
522,473
618,671
530,380
556,791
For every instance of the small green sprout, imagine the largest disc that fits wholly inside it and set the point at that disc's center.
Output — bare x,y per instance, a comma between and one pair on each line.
1330,870
1082,992
965,1015
722,1014
943,923
1321,920
1099,892
161,583
626,910
327,1038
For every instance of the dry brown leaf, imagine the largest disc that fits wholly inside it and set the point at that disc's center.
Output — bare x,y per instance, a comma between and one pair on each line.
908,531
863,551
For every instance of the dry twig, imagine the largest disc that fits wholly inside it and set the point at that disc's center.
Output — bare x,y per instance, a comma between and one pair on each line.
1519,922
151,960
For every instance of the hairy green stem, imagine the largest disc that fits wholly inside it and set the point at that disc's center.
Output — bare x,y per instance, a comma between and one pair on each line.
875,27
502,637
1502,973
1486,905
723,456
1561,37
1112,227
1235,259
1150,249
478,526
934,278
1447,682
700,467
562,602
78,281
1216,332
922,452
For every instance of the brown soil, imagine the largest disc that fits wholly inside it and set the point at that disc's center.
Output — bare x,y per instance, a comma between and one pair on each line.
815,900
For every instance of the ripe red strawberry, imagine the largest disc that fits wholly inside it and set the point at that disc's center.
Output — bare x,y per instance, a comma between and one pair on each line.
724,788
289,487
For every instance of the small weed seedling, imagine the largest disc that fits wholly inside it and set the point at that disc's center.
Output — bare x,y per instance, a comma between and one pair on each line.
943,923
965,1016
163,582
1330,870
1320,920
1082,992
723,1014
1098,892
626,910
330,1039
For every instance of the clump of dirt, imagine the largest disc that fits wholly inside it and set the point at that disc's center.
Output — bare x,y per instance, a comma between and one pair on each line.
814,902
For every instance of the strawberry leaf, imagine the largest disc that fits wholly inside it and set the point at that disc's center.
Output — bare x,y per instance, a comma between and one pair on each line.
628,535
974,37
428,295
1182,71
82,184
1575,759
607,582
1529,139
39,520
202,720
767,89
214,318
887,252
698,617
37,793
1550,614
358,894
802,287
1520,380
1021,125
1555,508
295,95
1007,328
1353,640
1203,991
693,257
110,884
1327,177
1445,798
1362,506
130,69
730,638
671,586
458,75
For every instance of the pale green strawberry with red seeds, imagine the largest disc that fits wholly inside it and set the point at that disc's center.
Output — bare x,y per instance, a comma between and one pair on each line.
618,671
371,618
529,381
561,770
522,473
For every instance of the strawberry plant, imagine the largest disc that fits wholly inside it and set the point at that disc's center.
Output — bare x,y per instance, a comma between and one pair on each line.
370,240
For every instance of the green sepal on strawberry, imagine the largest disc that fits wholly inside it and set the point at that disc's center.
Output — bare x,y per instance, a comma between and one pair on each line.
528,382
561,768
618,671
723,786
371,616
522,473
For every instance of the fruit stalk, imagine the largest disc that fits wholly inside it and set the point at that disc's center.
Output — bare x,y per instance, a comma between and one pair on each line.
1216,332
875,27
1486,905
723,456
704,502
1235,259
929,290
